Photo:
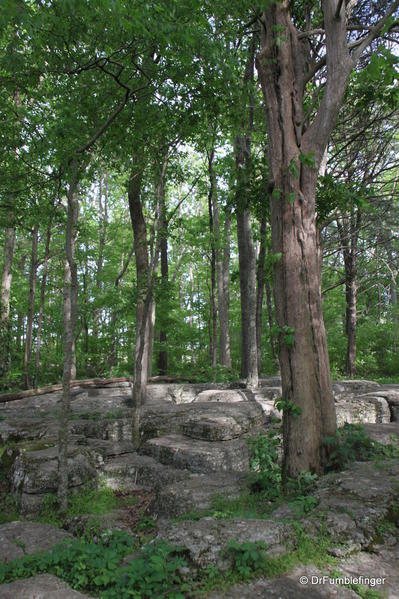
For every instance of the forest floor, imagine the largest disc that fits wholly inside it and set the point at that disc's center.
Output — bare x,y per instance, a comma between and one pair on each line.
199,510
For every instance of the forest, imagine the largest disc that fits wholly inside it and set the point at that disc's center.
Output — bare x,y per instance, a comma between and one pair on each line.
201,191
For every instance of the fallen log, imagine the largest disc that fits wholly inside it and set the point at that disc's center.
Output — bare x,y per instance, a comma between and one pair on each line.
86,383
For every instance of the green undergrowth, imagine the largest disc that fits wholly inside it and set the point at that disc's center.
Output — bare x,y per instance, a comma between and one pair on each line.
351,443
158,569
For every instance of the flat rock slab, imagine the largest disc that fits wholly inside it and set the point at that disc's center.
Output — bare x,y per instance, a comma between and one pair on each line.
224,396
387,433
356,499
207,539
382,563
196,493
22,538
286,587
44,586
355,387
127,471
222,420
199,456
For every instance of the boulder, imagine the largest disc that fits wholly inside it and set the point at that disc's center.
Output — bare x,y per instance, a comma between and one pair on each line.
23,538
44,586
362,409
199,456
224,396
35,474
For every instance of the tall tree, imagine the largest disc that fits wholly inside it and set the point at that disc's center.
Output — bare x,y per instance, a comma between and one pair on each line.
297,142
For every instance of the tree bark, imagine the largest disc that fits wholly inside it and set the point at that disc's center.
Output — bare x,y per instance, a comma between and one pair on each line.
348,230
142,303
222,248
213,311
6,278
41,305
31,309
246,248
102,236
260,285
70,316
309,413
163,336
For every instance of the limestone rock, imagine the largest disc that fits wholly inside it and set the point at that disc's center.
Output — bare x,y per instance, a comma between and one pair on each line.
354,387
196,492
207,539
286,587
23,538
387,433
199,456
127,471
44,586
35,473
362,409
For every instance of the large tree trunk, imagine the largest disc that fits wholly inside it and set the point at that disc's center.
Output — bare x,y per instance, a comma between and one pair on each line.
246,248
70,315
142,303
213,314
309,413
41,305
6,278
31,308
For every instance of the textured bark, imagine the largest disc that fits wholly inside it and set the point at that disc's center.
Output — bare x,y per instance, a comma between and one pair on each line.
31,309
163,336
113,354
142,272
222,249
260,284
102,237
6,279
305,370
41,304
70,316
247,267
213,311
348,230
246,248
270,319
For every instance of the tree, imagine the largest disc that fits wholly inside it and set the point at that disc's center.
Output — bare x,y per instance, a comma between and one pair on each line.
297,142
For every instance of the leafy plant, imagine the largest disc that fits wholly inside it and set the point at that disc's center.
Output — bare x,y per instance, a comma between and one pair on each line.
351,443
265,463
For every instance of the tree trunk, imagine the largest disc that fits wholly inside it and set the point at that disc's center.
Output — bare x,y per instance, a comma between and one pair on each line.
294,159
6,278
31,309
348,230
102,235
270,318
260,284
246,248
222,246
213,311
142,302
70,315
163,337
41,305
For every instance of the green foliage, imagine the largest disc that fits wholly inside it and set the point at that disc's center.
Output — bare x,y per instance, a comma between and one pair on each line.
351,443
248,558
288,407
91,500
264,462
